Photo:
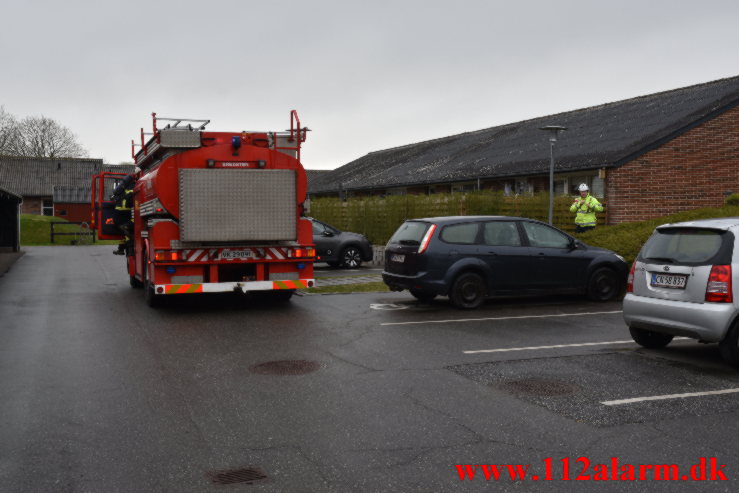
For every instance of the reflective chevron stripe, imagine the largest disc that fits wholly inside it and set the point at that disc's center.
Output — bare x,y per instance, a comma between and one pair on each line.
259,253
200,255
222,287
290,284
183,288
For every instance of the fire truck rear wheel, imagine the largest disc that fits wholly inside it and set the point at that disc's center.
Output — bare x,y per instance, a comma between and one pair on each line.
275,295
149,297
282,294
135,283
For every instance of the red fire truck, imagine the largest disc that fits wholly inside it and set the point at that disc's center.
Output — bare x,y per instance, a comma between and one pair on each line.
213,211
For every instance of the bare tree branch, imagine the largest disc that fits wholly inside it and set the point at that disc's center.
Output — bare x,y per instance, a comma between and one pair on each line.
8,133
37,136
45,137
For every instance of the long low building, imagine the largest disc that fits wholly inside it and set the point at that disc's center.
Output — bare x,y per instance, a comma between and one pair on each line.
646,157
39,181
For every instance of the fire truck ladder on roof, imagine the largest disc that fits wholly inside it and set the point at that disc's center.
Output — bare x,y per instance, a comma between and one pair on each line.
187,123
297,134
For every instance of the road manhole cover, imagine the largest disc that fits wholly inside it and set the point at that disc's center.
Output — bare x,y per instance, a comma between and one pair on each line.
285,367
540,387
247,475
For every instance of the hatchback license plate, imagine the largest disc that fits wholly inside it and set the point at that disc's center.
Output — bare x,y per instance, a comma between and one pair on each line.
669,281
397,258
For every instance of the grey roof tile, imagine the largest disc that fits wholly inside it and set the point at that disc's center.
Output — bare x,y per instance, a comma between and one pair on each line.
600,136
33,177
71,195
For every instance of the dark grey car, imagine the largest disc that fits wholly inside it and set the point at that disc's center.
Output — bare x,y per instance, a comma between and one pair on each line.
340,248
471,257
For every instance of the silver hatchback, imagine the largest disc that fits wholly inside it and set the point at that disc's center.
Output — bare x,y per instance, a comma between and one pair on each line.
682,283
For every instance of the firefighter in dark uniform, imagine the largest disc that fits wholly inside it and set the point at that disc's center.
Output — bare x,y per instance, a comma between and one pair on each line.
123,197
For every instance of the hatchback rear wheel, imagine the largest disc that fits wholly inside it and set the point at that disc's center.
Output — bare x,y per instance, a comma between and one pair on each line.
650,339
729,347
468,291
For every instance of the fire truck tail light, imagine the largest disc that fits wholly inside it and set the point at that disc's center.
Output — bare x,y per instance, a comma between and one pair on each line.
304,252
166,256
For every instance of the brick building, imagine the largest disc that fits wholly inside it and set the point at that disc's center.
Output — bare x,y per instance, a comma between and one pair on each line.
697,168
41,182
646,156
72,203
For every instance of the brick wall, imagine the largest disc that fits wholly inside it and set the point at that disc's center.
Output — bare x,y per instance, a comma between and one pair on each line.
73,212
696,169
31,205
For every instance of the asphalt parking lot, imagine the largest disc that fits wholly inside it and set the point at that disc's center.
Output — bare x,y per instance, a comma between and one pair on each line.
347,392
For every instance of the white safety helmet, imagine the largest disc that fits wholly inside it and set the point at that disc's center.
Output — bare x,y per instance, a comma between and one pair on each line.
583,188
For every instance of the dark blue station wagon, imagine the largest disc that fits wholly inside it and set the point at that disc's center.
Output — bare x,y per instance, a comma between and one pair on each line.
469,258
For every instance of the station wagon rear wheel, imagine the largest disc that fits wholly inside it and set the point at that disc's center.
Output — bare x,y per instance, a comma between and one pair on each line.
603,285
468,291
650,339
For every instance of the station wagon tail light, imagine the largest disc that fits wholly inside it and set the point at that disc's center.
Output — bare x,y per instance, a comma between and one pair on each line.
630,279
718,289
426,239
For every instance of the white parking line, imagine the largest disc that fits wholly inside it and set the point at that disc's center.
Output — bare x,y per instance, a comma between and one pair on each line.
581,344
533,348
669,396
500,318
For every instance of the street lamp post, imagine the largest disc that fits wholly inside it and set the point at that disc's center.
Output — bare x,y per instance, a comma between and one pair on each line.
553,132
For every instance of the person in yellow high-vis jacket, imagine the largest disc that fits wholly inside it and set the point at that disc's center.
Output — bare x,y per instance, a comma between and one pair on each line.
585,207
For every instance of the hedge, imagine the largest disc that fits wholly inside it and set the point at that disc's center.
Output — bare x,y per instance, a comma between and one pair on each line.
379,217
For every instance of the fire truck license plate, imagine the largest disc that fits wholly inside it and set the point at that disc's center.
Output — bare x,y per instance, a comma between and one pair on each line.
231,254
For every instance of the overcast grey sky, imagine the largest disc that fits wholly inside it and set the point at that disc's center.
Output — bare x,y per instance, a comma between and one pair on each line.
363,75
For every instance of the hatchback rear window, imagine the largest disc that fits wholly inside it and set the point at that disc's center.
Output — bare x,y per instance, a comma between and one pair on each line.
686,246
410,233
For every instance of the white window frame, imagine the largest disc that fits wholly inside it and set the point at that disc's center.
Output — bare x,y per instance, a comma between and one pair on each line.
47,205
